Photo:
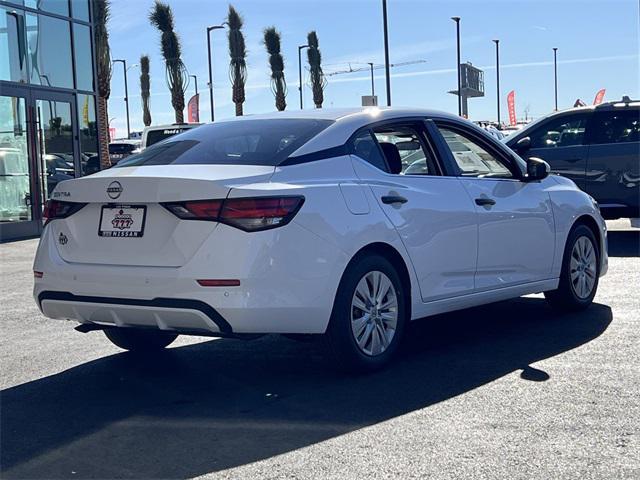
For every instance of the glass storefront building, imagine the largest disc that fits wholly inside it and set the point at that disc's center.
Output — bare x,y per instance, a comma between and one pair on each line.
47,106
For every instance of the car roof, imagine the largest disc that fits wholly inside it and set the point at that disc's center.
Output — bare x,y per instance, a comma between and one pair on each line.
625,103
345,122
365,114
171,125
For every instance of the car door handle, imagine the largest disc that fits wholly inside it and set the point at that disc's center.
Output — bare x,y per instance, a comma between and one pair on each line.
484,202
390,199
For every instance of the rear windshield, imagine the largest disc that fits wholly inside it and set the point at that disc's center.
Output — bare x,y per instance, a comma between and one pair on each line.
242,142
121,147
155,136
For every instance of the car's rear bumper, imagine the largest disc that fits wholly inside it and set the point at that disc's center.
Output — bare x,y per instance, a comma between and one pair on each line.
169,314
287,282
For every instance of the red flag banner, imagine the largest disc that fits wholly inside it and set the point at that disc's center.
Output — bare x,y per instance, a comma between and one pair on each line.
193,109
511,103
599,97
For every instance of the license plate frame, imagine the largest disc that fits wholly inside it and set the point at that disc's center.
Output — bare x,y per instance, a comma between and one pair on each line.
123,231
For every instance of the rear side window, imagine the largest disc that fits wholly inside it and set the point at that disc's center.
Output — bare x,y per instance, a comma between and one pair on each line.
566,131
616,127
364,146
403,142
242,142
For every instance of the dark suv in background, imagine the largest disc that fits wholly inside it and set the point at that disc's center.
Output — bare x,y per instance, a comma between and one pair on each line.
596,147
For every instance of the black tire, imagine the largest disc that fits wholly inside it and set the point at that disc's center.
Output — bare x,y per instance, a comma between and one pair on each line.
565,298
340,343
138,340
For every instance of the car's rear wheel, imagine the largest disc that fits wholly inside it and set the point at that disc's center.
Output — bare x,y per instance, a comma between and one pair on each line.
138,340
369,316
580,272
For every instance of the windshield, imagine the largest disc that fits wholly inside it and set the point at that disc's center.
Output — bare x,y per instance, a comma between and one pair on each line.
242,142
155,136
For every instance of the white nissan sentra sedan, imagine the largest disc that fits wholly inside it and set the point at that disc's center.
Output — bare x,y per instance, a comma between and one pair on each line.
341,223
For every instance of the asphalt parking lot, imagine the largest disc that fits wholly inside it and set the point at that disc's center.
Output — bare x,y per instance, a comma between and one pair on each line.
509,390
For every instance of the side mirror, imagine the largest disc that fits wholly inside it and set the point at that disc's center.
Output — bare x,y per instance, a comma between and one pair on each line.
537,169
523,144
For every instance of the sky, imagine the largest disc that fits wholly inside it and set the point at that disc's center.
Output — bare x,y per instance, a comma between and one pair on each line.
598,47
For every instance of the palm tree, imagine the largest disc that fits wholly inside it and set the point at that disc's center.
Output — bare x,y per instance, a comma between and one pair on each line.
145,87
161,17
238,54
103,60
318,81
278,84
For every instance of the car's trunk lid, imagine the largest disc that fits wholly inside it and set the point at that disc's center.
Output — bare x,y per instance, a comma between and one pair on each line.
157,237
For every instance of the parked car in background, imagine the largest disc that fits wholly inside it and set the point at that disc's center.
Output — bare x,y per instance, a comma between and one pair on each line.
154,134
346,224
59,163
598,147
120,149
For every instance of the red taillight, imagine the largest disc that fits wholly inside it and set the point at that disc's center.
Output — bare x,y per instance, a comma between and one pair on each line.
195,210
37,274
248,214
253,214
56,209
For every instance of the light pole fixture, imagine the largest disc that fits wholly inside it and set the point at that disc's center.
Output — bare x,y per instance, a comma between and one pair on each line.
195,79
497,42
555,74
209,29
300,48
373,90
457,20
126,94
387,74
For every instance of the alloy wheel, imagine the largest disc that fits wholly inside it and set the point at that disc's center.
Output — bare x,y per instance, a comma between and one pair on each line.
583,271
374,313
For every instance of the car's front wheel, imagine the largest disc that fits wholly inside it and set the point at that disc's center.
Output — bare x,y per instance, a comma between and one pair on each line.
580,272
138,340
369,316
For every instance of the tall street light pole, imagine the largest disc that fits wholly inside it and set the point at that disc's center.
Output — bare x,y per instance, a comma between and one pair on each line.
457,20
195,79
209,29
386,51
497,42
300,48
126,94
555,74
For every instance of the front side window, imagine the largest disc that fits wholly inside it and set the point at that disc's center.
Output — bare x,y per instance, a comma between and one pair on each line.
566,131
616,127
473,159
266,142
404,151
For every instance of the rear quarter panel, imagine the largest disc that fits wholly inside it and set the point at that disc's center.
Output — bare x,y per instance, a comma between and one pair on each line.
338,208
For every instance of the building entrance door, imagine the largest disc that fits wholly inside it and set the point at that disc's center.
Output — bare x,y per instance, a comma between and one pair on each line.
38,149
